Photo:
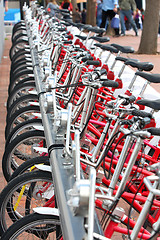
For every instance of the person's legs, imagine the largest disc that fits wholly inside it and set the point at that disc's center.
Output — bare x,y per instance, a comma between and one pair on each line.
128,14
104,17
122,15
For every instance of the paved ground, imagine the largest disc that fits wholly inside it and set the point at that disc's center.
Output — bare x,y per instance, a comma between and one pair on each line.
4,81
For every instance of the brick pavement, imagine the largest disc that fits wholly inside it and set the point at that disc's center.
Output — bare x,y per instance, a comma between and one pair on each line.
4,81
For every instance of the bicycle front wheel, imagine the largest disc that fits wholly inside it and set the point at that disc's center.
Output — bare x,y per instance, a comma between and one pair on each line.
34,226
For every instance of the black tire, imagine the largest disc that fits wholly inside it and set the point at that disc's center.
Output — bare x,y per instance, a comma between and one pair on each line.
21,102
21,150
19,62
21,54
20,116
18,35
20,90
34,221
25,80
29,165
19,197
19,45
18,26
23,127
20,68
21,75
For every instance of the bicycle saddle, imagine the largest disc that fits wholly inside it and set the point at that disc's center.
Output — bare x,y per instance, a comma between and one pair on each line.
142,66
106,47
96,29
66,23
153,78
69,20
86,26
80,25
81,37
125,59
123,49
100,39
154,104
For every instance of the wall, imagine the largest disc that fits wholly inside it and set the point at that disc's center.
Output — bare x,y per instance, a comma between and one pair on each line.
1,28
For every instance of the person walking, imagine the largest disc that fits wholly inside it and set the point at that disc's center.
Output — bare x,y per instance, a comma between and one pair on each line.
109,10
52,6
126,7
77,16
83,16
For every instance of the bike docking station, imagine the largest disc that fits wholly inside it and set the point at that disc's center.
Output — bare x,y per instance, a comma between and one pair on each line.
81,163
72,190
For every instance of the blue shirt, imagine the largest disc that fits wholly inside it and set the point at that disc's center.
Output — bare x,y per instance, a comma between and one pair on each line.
109,4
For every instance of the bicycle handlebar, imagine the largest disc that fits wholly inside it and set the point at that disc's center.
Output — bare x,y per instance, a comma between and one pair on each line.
154,131
110,83
140,113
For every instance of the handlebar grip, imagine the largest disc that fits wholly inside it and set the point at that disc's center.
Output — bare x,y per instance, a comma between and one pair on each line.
67,42
140,113
92,62
154,131
88,57
110,83
102,71
131,99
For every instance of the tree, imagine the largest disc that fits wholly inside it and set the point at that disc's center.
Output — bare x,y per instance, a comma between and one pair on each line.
91,12
148,43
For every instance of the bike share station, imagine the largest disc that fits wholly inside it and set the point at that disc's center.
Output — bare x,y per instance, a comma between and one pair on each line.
86,111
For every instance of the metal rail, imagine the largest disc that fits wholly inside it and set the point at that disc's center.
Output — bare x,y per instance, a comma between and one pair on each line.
73,226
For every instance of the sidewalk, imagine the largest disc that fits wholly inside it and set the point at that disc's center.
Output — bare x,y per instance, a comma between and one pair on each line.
4,81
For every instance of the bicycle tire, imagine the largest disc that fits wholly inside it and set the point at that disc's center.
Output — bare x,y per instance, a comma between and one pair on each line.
23,127
20,115
28,222
19,62
21,185
27,166
19,90
21,102
20,75
19,55
14,153
18,35
13,85
17,46
20,68
23,78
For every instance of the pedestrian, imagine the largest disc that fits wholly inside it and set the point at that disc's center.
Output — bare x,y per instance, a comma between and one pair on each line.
6,5
142,14
109,10
66,4
126,7
138,19
77,16
83,15
52,6
99,13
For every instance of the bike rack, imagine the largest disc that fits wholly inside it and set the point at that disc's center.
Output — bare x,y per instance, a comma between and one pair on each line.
73,226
